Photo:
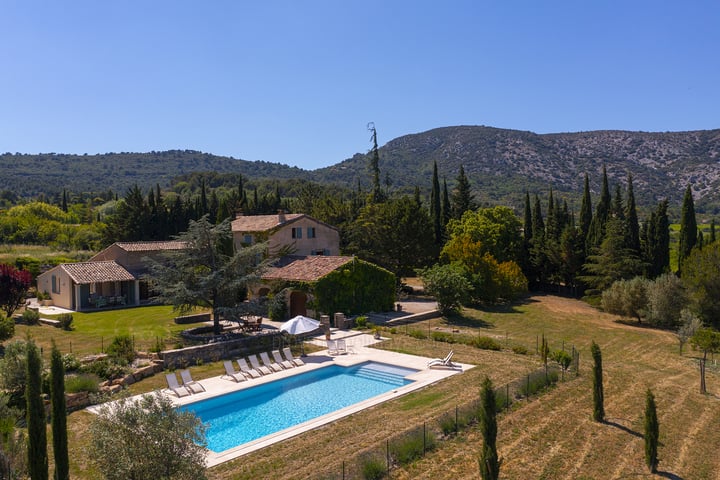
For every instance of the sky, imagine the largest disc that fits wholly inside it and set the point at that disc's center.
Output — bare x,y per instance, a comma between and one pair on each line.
297,82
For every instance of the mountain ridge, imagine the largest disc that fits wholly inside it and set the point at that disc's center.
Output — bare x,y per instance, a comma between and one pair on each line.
500,163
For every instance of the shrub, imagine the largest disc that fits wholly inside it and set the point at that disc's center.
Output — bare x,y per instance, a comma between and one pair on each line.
410,446
121,348
416,333
31,317
7,328
373,467
277,306
502,400
65,320
446,337
447,424
537,381
81,383
105,369
361,322
486,343
70,362
520,350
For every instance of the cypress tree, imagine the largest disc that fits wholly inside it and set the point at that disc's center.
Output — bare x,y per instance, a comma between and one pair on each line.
712,231
64,205
632,228
527,219
661,257
652,432
598,394
585,210
462,198
435,212
602,212
59,415
489,462
688,228
445,207
35,414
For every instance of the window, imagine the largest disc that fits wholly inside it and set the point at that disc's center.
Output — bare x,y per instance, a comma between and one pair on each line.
55,284
297,232
311,232
247,239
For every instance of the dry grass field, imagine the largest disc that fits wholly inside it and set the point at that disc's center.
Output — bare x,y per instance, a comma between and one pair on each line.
548,437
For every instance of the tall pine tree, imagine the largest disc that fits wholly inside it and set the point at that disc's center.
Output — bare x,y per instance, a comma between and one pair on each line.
602,212
632,226
585,210
652,432
597,382
435,210
35,415
489,462
377,194
59,415
462,197
688,228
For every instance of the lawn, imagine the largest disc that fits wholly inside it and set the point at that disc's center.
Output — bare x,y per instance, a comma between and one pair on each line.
92,332
551,436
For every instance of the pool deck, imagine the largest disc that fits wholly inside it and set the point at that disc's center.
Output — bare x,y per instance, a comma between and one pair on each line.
358,352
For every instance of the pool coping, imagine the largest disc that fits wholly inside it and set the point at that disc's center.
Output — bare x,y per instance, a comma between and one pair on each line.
358,352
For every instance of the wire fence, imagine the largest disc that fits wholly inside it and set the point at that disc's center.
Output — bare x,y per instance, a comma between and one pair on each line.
412,444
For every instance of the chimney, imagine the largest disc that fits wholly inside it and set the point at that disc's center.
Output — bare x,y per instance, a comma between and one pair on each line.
281,216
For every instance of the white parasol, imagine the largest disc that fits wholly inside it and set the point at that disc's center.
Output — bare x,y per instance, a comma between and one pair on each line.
298,325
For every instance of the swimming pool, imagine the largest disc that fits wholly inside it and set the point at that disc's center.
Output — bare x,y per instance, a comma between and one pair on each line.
246,415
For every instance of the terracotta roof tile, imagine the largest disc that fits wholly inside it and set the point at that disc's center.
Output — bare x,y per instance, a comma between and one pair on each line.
305,269
262,223
95,272
149,246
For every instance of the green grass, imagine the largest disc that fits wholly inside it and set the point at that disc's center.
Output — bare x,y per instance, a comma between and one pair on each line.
92,332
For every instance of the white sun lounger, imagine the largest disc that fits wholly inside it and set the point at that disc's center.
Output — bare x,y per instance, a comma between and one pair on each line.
231,373
288,354
443,362
175,387
280,360
275,367
190,384
245,368
256,365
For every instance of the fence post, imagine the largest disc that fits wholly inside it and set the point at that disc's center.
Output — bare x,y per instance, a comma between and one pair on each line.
424,438
387,455
507,396
343,470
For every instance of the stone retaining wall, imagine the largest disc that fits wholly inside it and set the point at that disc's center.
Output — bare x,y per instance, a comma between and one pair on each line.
194,318
212,352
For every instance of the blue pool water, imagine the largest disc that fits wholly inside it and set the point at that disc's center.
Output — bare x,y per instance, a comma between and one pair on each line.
246,415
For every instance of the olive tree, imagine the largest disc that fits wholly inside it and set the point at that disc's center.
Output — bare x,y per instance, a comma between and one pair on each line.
147,438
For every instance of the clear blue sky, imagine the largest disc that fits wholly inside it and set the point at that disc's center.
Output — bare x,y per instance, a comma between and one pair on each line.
297,81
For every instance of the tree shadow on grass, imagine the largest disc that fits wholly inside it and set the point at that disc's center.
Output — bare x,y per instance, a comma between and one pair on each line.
669,475
624,428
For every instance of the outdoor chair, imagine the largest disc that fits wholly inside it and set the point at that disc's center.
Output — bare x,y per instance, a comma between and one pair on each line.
280,360
332,347
443,362
245,368
256,365
341,346
231,373
288,354
175,387
190,384
275,367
